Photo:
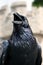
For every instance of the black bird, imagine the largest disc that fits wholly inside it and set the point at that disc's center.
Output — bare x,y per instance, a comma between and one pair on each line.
22,48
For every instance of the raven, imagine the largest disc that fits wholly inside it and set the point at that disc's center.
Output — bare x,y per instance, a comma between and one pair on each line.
22,47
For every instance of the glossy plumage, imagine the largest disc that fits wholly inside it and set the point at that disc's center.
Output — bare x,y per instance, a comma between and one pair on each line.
23,48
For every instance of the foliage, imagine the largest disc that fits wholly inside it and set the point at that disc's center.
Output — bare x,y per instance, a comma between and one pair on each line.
37,3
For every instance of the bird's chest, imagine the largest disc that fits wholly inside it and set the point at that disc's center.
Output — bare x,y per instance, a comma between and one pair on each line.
23,50
20,41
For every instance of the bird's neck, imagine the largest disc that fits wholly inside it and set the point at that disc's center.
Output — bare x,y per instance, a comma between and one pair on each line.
17,29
